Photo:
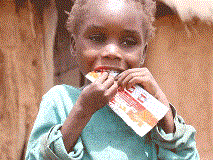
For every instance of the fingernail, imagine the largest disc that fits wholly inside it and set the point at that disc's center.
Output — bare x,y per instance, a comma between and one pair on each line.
127,87
120,88
119,83
117,77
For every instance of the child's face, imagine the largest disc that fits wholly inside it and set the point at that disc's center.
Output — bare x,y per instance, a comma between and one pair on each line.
111,36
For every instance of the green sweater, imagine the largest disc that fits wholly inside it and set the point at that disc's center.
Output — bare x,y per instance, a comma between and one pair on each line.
105,137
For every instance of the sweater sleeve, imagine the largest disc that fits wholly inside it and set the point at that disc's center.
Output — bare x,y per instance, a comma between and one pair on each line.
46,139
180,145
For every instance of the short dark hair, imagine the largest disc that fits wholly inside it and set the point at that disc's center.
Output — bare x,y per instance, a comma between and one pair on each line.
79,9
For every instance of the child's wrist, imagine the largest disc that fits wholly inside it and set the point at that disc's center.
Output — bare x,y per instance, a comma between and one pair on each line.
83,111
167,122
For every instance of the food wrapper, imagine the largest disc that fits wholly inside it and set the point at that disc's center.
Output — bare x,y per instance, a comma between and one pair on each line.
139,109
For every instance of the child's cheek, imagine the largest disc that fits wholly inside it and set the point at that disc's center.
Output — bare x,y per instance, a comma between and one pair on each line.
133,60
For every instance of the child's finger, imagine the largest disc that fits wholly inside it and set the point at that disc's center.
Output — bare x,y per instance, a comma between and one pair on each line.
137,80
126,80
101,79
109,82
146,82
111,92
127,72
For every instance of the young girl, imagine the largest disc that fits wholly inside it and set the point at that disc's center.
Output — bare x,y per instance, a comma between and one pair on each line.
77,123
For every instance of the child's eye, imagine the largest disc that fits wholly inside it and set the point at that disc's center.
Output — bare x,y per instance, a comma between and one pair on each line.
129,42
97,38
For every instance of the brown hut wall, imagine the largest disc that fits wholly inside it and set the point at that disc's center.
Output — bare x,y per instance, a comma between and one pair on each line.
182,62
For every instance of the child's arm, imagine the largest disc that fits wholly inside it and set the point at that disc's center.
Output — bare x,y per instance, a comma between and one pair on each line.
93,97
46,139
58,111
173,138
179,145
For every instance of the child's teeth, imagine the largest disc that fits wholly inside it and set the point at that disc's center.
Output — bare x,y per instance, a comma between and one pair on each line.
104,70
111,72
108,70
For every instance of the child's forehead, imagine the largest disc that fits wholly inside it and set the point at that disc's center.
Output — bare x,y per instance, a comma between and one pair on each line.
117,9
112,5
125,16
105,11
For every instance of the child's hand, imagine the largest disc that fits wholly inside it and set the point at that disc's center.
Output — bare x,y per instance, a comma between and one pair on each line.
92,98
97,94
143,77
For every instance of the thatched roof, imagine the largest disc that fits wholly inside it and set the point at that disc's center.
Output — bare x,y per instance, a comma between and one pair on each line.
187,9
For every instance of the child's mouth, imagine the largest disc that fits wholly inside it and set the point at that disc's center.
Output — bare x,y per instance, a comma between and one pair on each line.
106,69
111,71
102,69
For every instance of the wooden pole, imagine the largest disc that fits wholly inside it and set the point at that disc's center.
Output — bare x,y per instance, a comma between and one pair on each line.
25,59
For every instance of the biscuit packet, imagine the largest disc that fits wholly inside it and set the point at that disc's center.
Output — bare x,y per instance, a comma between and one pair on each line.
139,109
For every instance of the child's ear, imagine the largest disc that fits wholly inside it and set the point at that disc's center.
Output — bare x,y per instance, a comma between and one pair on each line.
72,46
143,55
145,50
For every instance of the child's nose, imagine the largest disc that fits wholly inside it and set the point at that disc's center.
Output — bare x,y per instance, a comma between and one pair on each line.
112,52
